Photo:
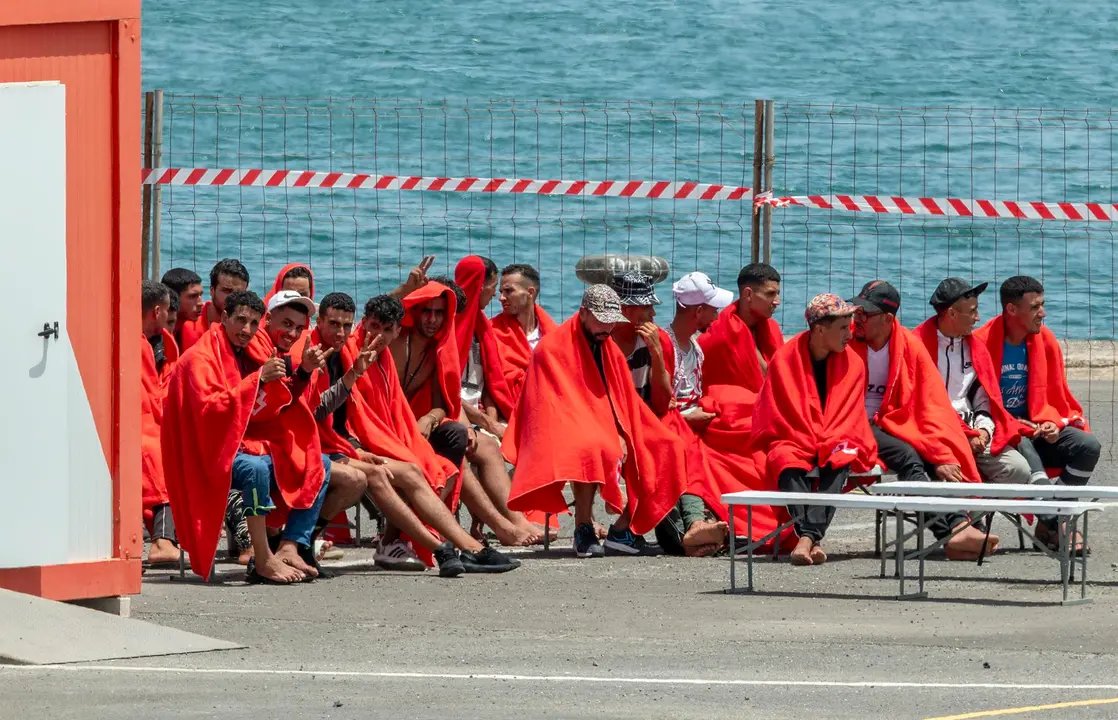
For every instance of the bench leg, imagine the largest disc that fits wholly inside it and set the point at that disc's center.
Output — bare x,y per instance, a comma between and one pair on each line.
749,549
877,522
1020,533
1068,560
882,538
733,585
898,548
920,548
546,531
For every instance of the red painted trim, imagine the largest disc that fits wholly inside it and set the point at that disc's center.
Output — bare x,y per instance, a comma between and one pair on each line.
66,11
75,581
125,459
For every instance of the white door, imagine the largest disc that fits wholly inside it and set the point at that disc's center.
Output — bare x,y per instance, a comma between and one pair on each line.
34,430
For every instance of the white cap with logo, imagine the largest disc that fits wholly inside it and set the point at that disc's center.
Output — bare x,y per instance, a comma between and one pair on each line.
290,297
698,289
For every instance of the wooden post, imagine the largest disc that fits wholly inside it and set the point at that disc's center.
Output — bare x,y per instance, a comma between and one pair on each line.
758,156
770,159
156,190
145,224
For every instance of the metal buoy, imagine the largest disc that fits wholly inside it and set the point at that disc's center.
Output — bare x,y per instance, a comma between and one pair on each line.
593,269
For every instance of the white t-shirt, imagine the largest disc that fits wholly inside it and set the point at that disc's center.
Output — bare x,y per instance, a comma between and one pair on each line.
534,337
687,376
877,378
473,380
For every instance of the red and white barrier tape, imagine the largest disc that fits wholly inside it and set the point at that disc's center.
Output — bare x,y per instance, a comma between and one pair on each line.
353,181
949,207
942,207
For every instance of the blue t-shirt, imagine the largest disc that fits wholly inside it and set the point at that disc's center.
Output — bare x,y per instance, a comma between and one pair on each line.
1015,379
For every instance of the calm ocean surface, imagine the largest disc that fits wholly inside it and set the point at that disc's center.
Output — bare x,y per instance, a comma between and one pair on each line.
984,54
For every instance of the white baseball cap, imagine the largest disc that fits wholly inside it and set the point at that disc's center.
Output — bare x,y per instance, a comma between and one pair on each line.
290,297
698,289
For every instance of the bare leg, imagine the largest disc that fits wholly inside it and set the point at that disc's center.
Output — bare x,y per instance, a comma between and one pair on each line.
267,564
476,499
584,502
347,485
427,506
393,506
497,484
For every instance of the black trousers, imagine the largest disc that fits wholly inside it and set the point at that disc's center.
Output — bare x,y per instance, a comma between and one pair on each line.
812,520
902,458
1076,451
163,524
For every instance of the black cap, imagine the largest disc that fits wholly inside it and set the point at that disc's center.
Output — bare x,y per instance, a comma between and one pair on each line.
953,289
878,296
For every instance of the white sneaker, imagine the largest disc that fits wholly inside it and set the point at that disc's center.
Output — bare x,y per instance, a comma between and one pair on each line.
398,556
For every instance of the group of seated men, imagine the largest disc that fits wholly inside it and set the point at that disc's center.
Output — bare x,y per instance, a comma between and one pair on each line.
426,403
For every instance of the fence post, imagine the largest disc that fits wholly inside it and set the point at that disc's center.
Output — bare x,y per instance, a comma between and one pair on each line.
758,155
145,226
770,159
156,190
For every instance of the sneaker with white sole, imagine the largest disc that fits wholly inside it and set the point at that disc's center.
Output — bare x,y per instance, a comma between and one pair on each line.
398,556
624,542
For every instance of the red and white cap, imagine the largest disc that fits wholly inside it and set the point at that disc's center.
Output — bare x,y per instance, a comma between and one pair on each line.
697,288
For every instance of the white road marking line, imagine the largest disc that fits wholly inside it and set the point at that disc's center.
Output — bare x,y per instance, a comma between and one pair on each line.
552,678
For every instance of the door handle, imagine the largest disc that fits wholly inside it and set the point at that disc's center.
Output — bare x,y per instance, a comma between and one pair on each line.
48,331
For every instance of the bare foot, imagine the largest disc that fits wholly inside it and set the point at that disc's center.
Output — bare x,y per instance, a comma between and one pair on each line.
326,546
600,531
552,533
516,536
535,532
818,557
801,554
705,532
276,570
288,554
244,557
162,551
967,545
701,550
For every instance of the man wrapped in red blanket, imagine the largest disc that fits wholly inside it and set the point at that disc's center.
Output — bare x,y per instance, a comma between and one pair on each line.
917,431
159,355
811,415
580,420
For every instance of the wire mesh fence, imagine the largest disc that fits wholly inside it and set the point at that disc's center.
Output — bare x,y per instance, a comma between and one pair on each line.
364,241
998,154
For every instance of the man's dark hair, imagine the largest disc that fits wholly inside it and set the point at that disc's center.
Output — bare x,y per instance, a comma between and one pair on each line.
336,301
173,308
179,279
297,272
525,271
1017,286
244,298
385,309
230,267
460,298
154,293
490,267
297,307
757,274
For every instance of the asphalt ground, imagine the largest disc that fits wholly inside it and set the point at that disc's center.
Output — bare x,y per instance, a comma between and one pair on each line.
623,637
